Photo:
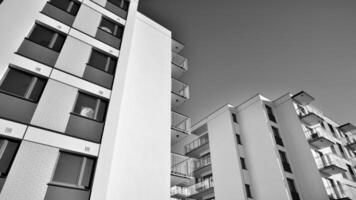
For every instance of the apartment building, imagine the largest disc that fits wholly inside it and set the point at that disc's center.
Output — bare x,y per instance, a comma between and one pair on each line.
86,92
283,149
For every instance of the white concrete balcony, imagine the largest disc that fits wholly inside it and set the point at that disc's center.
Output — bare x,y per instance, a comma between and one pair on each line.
181,169
338,192
318,138
330,164
179,192
303,98
180,125
198,146
180,92
309,116
201,189
179,65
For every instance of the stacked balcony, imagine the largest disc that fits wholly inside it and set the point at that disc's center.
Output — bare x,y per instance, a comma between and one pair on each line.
179,65
330,164
181,170
201,189
197,147
303,98
180,92
202,166
319,139
337,192
180,125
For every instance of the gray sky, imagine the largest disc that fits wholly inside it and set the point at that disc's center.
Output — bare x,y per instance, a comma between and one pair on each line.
239,48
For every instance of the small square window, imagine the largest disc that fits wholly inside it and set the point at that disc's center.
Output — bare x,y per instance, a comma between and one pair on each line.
234,118
243,164
238,139
248,191
46,37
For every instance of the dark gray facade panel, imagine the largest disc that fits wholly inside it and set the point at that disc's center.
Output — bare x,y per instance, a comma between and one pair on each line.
58,14
61,193
86,129
116,10
97,76
108,38
16,109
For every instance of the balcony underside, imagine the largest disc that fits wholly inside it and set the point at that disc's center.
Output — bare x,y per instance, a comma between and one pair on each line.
177,100
177,135
332,170
180,179
303,98
347,127
311,119
202,193
320,142
202,171
195,153
352,146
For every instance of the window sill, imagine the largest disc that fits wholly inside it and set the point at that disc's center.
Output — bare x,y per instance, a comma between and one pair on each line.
64,185
76,114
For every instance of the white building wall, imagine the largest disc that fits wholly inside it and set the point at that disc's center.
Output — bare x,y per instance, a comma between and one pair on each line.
134,159
227,172
267,179
307,176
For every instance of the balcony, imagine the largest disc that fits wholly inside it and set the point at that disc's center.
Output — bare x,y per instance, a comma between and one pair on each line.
179,192
84,128
202,166
311,119
202,189
55,192
108,38
16,108
319,138
98,76
181,170
117,10
197,147
180,92
180,125
330,164
347,127
58,14
177,46
303,98
179,65
337,192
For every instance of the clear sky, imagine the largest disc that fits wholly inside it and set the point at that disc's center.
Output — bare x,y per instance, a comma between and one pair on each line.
239,48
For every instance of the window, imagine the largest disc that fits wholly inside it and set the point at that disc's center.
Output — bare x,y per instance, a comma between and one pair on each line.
102,61
90,107
322,125
331,128
22,84
111,27
285,162
238,139
292,189
69,6
124,4
46,37
234,118
341,150
270,114
243,164
277,137
73,170
248,191
8,150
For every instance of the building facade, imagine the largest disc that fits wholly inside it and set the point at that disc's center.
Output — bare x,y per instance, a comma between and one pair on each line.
86,92
262,149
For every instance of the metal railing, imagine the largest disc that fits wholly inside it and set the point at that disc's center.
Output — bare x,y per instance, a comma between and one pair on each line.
336,191
201,186
179,191
202,162
179,61
318,132
197,143
181,165
180,88
180,122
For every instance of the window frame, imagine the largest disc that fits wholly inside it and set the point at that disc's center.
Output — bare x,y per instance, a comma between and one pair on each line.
117,26
69,8
109,60
30,88
99,102
270,113
55,35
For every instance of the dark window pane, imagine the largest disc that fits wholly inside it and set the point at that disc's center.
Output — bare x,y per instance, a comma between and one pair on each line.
283,156
238,139
88,171
7,151
107,26
125,5
62,4
291,185
112,65
98,60
75,8
234,118
41,35
58,43
120,32
102,111
85,105
68,169
243,164
38,89
248,191
16,82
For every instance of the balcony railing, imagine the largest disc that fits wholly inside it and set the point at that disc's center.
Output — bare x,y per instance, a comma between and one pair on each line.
202,162
200,187
319,138
179,88
179,61
179,192
337,192
330,164
181,165
180,122
202,140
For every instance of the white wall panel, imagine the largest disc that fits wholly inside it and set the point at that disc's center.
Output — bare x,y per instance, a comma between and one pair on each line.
87,20
12,129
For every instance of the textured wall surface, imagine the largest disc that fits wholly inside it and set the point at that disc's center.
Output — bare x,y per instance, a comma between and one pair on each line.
55,105
30,172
